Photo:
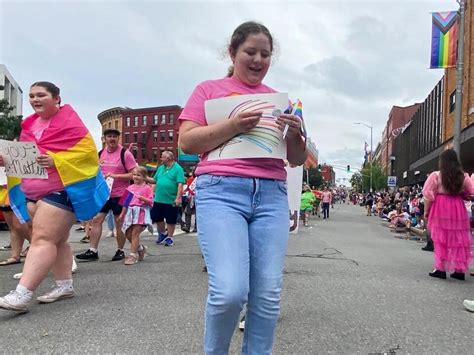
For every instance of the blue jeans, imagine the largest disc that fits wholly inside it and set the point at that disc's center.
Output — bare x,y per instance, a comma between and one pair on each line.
243,234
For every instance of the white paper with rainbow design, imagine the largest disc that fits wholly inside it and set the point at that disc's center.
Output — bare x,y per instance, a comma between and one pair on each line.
263,141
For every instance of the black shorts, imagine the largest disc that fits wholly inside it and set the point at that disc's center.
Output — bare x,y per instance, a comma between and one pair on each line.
163,211
112,204
59,199
6,209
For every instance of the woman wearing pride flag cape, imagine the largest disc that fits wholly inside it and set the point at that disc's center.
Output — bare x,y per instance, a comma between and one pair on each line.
75,189
241,204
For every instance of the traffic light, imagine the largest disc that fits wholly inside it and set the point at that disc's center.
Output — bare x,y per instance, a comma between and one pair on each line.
348,168
319,168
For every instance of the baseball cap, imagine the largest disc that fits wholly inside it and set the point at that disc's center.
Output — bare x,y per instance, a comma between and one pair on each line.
111,131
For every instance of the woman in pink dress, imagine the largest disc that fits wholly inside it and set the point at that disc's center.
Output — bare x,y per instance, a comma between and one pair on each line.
447,217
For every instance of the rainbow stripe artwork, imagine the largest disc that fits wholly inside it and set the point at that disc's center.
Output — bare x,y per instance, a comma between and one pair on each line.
17,199
444,38
70,144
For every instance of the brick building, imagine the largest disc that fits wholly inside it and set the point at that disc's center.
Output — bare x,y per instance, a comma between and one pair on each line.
467,117
430,132
397,119
149,130
328,174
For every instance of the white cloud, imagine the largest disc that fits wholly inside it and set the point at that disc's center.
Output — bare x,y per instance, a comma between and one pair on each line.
347,61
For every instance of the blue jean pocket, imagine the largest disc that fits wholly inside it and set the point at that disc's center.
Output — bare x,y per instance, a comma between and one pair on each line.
207,180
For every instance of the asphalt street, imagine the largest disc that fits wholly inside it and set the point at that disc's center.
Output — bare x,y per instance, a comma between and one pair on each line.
350,287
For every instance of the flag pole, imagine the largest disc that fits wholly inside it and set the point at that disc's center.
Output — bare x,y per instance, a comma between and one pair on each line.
459,81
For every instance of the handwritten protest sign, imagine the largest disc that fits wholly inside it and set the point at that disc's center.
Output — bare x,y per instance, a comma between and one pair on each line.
3,176
20,160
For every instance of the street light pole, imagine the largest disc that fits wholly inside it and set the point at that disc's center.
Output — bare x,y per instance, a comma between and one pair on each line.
371,150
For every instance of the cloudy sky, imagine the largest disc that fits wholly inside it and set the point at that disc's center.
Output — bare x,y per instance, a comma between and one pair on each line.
348,61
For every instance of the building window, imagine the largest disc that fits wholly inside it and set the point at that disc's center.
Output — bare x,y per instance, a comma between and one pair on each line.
171,119
135,121
104,127
170,136
155,136
143,137
155,154
155,120
128,122
144,153
110,124
161,151
134,152
162,136
170,149
452,101
135,137
116,124
163,119
126,138
144,121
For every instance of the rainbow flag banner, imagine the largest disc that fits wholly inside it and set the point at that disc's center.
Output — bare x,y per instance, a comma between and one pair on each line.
444,38
126,199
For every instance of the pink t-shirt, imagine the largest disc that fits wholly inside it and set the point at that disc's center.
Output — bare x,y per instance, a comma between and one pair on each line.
112,164
433,186
266,168
35,189
327,196
144,190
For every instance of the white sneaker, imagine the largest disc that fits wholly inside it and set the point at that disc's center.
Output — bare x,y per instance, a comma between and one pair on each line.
111,234
469,305
74,266
18,276
14,301
57,293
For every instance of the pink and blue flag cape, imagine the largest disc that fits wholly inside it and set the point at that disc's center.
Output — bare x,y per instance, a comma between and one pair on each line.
17,199
70,144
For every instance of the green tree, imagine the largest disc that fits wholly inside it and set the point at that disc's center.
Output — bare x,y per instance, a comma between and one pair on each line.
379,179
9,124
357,181
315,178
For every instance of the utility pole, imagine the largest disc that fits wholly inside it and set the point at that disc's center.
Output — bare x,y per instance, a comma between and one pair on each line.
371,150
459,81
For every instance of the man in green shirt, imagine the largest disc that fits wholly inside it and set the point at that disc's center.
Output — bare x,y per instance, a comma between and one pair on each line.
169,180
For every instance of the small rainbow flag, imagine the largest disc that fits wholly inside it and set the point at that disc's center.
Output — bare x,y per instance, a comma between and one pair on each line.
126,199
298,109
151,166
444,38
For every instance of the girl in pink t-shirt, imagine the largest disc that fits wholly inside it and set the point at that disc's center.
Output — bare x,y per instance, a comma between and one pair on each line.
241,204
136,214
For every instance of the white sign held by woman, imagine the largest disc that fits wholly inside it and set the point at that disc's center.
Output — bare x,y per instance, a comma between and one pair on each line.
20,160
263,141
